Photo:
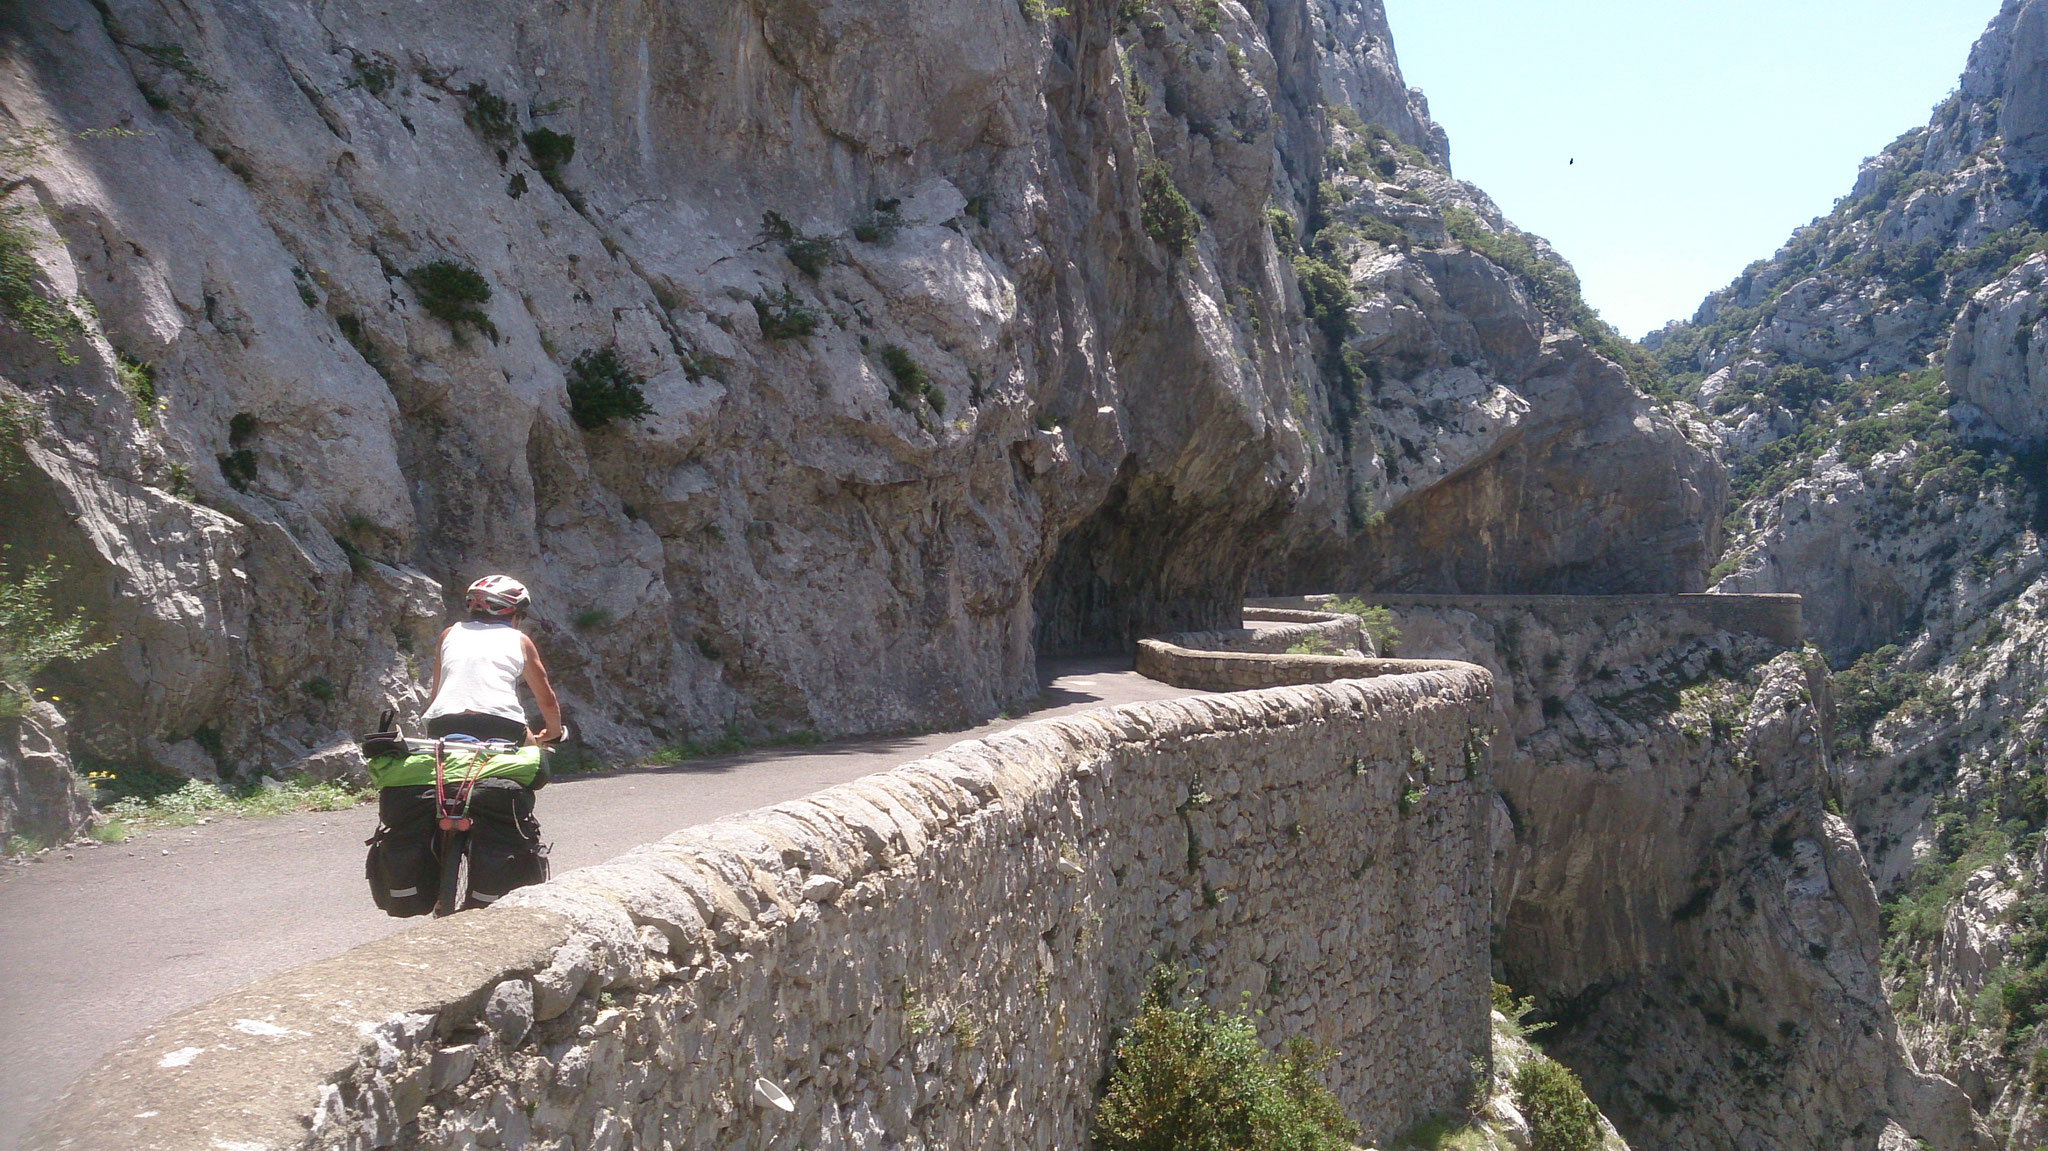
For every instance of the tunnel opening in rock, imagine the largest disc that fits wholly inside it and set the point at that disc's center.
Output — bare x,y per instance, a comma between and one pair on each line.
1145,563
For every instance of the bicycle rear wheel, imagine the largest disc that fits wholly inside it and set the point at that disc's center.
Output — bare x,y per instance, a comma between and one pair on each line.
454,872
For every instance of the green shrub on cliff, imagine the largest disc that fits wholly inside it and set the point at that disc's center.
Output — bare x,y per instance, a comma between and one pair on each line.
783,315
33,634
19,420
551,152
490,115
1326,295
1166,214
1190,1078
454,294
23,305
1378,622
809,253
601,389
1560,1116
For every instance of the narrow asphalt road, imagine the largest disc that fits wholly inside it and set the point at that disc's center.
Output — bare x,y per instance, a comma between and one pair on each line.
98,943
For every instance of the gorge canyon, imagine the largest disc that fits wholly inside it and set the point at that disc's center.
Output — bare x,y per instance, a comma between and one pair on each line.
825,366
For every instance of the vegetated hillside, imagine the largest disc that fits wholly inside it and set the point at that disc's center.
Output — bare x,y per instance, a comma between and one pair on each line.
820,365
1881,393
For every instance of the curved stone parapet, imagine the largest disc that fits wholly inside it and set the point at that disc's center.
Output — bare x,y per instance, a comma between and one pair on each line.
938,955
1184,661
1285,629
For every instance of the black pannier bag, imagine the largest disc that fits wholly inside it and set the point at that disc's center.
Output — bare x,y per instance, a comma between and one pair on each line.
505,851
404,874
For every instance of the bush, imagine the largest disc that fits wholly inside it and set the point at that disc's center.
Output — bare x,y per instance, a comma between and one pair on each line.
490,115
1282,222
352,330
912,382
51,323
453,293
1560,1116
882,224
810,254
1377,621
1870,689
1166,214
138,380
33,633
601,389
374,73
783,315
19,420
551,152
1325,296
1191,1079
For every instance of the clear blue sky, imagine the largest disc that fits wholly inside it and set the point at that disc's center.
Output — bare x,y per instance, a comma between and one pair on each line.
1702,133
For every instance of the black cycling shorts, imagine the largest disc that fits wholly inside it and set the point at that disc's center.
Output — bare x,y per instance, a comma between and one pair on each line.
477,725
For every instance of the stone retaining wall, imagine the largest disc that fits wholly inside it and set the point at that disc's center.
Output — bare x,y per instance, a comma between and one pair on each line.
938,956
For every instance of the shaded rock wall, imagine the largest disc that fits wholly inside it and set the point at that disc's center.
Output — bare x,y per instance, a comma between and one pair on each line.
939,954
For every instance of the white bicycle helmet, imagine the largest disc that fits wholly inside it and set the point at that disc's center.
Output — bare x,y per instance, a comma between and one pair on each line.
498,595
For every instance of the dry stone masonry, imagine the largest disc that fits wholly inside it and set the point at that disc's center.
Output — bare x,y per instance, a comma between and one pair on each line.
937,956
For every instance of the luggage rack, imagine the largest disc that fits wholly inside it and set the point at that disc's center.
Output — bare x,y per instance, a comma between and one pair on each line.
421,745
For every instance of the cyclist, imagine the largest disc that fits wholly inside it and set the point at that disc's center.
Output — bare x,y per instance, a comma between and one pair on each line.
480,664
478,668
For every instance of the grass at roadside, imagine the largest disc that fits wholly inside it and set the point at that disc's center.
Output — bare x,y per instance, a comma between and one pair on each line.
198,800
731,743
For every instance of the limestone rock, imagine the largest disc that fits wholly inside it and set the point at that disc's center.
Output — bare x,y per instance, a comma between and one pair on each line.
1673,886
41,798
926,397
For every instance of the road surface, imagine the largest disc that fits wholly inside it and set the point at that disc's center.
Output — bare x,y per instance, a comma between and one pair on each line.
101,942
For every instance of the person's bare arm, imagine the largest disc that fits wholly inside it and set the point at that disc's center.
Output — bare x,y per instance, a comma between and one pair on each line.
438,641
543,693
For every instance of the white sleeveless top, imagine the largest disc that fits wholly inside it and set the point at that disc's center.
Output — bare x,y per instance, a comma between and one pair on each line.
480,668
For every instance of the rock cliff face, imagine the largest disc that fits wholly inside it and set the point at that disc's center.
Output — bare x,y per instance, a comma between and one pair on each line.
1877,387
1674,888
1481,435
963,332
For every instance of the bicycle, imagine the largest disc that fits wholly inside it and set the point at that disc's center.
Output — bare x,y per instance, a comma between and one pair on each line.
453,817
